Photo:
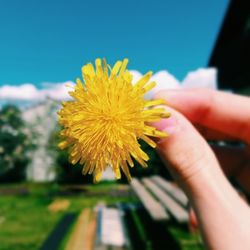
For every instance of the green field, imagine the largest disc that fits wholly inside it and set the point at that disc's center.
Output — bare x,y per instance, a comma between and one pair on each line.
25,221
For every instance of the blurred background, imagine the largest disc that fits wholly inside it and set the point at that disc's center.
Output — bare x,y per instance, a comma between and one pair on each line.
45,203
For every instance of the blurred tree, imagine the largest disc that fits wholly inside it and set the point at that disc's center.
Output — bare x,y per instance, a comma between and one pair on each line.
66,172
14,145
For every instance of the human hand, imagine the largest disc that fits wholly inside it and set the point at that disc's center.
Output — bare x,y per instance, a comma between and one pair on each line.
199,115
216,116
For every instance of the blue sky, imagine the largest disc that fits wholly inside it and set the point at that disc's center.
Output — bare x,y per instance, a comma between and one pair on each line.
49,40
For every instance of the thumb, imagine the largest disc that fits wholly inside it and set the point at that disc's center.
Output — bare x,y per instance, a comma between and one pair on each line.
186,152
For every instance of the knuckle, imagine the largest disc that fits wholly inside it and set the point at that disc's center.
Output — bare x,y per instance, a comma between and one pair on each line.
191,163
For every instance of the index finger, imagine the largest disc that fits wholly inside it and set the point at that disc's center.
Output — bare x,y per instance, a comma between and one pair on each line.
224,112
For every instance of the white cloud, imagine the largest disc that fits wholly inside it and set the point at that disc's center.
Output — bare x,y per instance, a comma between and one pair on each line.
164,80
29,92
136,75
23,92
203,77
58,91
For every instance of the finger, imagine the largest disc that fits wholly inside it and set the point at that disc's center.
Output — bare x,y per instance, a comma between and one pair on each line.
223,112
185,149
212,134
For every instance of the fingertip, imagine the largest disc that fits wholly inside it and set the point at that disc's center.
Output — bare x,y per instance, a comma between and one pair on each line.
192,103
166,125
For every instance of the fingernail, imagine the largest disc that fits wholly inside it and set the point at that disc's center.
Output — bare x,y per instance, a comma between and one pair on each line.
166,125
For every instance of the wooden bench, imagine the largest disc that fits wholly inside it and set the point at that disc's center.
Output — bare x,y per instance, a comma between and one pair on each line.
154,207
83,234
110,230
161,199
172,190
177,211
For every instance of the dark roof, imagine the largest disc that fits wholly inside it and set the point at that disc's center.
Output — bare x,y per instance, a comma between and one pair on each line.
231,54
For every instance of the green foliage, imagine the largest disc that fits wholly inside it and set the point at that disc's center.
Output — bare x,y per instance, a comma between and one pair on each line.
66,172
11,115
14,145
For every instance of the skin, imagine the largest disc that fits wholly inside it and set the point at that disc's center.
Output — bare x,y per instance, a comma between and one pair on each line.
199,115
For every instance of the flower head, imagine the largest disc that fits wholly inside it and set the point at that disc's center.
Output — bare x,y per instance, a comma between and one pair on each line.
106,118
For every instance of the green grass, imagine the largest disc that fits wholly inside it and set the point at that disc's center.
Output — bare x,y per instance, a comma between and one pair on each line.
187,240
27,221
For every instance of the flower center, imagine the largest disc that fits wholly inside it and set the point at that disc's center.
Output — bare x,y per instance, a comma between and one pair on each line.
111,119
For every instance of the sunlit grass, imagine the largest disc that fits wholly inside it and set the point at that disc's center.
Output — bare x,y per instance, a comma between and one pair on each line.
27,221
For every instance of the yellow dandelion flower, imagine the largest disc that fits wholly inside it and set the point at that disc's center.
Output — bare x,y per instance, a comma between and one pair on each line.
106,118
